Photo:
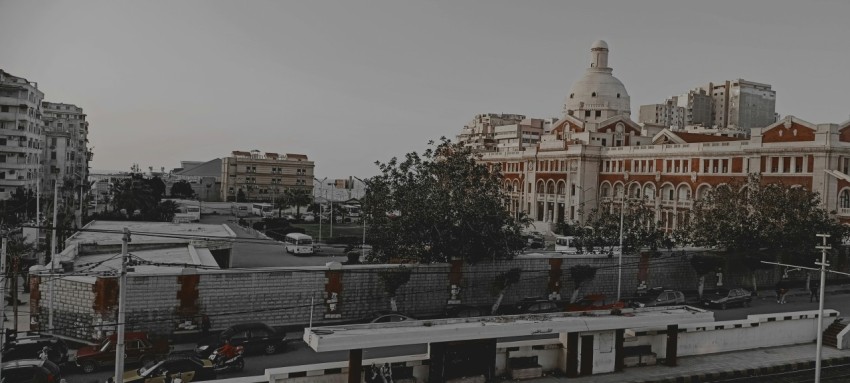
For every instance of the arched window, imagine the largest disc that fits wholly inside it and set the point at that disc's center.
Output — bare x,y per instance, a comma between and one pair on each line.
593,94
618,95
571,95
844,199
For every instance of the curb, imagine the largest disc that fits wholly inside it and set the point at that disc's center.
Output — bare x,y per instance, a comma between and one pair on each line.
748,372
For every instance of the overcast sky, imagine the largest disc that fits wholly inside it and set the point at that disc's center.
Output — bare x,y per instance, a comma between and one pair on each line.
352,82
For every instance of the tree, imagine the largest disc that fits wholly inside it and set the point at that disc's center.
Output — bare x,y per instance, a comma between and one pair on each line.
182,189
580,275
298,198
392,280
763,222
439,206
640,229
704,264
501,284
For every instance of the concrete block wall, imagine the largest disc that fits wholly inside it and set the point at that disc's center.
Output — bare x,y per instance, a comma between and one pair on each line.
151,303
73,314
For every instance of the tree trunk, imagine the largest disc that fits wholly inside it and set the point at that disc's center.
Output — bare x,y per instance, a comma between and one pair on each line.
755,285
701,286
393,304
498,302
808,281
574,297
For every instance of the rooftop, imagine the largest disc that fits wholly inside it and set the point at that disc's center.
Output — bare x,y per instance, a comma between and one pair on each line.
334,338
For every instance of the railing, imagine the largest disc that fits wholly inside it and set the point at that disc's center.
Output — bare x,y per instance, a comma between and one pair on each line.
844,211
668,202
685,204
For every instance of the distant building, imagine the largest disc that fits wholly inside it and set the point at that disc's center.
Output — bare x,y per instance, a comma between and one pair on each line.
66,151
735,104
480,132
21,134
205,178
263,177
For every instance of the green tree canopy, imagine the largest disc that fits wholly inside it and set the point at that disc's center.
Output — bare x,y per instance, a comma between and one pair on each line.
640,229
749,217
182,189
438,206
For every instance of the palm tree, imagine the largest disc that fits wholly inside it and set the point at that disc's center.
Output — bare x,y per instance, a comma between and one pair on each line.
298,198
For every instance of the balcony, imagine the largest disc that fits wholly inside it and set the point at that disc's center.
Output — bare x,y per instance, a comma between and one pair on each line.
685,204
668,203
844,211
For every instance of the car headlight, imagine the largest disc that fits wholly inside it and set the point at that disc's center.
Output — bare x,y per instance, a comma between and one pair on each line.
202,348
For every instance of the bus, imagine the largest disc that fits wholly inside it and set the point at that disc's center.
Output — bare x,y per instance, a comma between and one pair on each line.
187,213
264,210
567,245
297,243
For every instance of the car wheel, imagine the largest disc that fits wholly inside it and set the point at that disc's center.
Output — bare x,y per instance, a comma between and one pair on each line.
270,349
147,359
88,367
723,306
240,365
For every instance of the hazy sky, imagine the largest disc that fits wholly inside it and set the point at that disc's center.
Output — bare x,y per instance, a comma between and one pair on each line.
351,82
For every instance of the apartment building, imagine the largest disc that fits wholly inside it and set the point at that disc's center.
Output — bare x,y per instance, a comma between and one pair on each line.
584,162
479,133
741,103
66,153
264,176
21,134
667,114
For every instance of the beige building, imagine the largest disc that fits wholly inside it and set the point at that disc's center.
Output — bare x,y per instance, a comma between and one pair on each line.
667,114
21,134
480,132
263,177
66,151
742,104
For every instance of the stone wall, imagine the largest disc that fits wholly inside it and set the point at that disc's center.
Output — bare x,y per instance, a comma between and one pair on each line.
282,297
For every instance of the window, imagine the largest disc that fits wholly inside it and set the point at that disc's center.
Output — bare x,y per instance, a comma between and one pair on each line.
598,113
5,108
844,199
593,94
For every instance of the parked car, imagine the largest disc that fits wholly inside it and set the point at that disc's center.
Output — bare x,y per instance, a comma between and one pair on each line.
188,368
30,371
724,298
664,298
138,348
594,302
30,347
254,337
391,317
539,305
466,311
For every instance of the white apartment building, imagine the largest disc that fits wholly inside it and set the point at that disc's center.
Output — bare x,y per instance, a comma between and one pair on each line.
66,151
21,134
479,133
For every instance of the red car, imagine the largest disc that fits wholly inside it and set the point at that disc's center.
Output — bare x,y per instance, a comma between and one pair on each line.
138,348
594,302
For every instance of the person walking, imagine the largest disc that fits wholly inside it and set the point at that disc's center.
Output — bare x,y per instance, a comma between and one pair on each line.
205,325
814,290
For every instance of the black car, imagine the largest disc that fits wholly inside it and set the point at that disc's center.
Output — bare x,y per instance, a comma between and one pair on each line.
729,297
254,337
31,346
186,367
30,371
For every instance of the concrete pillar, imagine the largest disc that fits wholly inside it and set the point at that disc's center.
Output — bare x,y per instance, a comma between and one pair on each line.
355,362
618,351
672,344
572,355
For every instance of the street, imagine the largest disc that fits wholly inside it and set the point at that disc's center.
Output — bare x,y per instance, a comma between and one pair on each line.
298,353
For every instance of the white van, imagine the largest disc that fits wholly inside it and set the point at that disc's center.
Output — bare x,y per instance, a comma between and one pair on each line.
297,243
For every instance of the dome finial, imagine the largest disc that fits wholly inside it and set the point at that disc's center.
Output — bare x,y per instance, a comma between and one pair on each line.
599,54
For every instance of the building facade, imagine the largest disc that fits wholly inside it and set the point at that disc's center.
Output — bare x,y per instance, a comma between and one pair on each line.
21,134
480,132
264,176
66,150
584,162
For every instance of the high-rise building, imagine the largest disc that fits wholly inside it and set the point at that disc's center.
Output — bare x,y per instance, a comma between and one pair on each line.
264,177
21,134
742,104
666,114
480,133
735,104
66,151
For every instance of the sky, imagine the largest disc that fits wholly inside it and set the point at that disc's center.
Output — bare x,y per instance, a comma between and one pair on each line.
353,82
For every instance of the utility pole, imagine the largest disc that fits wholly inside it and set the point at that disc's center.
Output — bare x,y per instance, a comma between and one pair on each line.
823,264
3,298
122,297
38,215
53,254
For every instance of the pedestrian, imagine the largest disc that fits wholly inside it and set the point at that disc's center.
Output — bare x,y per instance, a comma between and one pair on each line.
205,325
814,289
778,292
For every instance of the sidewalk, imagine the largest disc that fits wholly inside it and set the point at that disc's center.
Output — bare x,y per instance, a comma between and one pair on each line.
698,368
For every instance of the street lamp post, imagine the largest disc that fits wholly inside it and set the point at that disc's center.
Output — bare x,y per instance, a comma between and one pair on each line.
321,206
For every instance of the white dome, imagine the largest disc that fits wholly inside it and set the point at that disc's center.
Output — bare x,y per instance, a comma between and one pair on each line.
598,90
599,44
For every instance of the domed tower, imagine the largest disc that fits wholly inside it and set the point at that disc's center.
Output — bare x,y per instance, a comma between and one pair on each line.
598,95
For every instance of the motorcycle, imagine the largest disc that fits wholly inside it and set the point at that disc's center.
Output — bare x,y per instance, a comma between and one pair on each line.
236,363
